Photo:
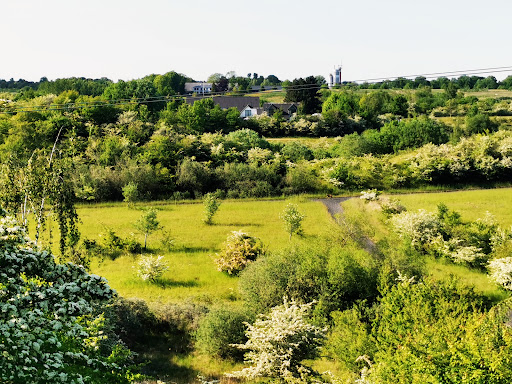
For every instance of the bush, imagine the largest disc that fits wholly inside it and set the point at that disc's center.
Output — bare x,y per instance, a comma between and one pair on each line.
51,321
211,205
391,207
239,250
130,193
420,228
370,195
501,272
150,268
279,342
333,275
221,328
435,332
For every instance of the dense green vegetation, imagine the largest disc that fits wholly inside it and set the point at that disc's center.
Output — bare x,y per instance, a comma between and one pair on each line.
411,291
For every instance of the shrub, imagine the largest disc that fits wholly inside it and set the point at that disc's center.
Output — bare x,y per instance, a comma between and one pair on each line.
436,332
132,245
111,244
279,342
370,195
292,219
51,321
501,272
219,330
349,338
419,228
239,250
130,193
150,268
391,207
211,205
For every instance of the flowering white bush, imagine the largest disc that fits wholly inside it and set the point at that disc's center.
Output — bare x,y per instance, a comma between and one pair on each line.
391,206
370,195
150,268
239,250
278,342
501,272
50,326
420,227
460,254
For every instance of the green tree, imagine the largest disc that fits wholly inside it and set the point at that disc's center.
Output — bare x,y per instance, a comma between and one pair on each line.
304,91
147,224
211,205
130,193
171,83
292,219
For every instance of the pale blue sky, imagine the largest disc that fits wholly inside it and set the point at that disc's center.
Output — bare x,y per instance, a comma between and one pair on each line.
127,39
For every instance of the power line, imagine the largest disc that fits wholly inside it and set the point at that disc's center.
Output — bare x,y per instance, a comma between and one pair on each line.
157,99
444,74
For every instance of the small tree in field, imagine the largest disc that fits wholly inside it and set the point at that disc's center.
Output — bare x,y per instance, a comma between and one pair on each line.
292,219
130,193
211,205
279,342
150,268
147,224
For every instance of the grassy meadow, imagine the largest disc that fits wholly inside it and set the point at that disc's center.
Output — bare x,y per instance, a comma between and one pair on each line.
193,275
471,204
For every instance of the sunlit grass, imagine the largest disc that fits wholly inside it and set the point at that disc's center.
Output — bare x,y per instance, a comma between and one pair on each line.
193,275
471,205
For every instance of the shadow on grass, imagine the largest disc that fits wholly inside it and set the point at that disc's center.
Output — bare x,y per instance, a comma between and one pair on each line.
168,283
156,357
188,249
240,225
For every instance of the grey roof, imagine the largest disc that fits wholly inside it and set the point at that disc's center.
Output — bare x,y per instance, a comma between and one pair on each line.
225,102
283,107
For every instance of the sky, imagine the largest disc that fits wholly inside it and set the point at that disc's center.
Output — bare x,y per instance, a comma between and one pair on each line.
129,39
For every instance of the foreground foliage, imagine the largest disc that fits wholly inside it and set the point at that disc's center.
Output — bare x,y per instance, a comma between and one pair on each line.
51,322
279,342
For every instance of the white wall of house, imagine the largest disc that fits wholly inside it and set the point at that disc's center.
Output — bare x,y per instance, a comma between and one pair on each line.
248,112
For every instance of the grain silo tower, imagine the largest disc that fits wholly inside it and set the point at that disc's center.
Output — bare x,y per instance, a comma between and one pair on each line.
335,78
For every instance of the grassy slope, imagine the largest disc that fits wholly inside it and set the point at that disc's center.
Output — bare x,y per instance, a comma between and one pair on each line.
470,204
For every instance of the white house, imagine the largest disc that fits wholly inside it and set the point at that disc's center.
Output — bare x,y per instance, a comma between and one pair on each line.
249,111
198,88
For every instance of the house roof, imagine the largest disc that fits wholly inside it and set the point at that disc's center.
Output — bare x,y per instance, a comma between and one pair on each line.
225,102
283,107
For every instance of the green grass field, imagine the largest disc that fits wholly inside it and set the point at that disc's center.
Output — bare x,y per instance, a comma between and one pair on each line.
193,275
472,205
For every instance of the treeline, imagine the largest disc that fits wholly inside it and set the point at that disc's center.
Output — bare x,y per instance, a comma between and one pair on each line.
462,82
174,148
222,83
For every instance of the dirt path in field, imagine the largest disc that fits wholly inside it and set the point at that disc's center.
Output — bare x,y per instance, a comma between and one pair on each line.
335,209
333,205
